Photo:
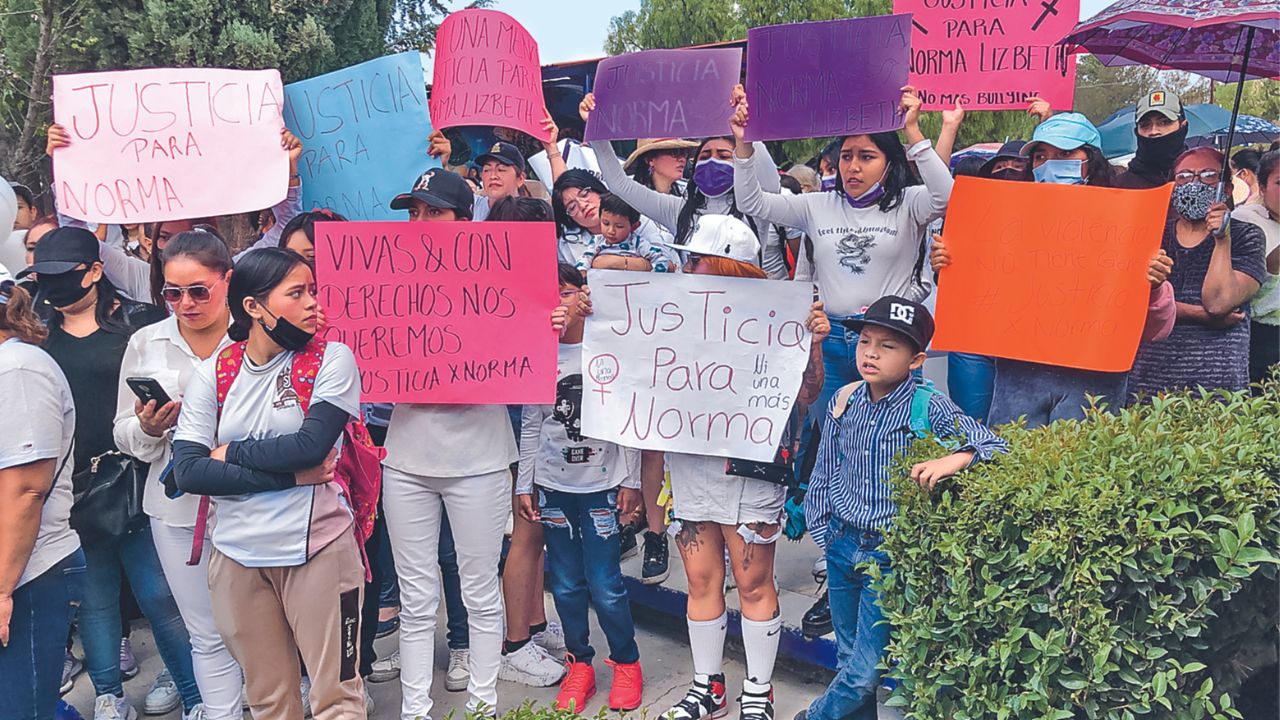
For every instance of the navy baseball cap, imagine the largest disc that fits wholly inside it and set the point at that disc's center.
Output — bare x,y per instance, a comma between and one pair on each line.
63,250
505,153
1011,150
900,314
439,188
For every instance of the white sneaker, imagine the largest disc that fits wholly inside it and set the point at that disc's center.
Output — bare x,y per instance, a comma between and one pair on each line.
551,639
197,713
368,702
110,707
163,696
385,669
459,674
532,666
306,697
71,667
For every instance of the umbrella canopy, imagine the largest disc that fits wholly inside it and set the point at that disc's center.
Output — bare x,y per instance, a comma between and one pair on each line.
1206,37
1117,131
1249,130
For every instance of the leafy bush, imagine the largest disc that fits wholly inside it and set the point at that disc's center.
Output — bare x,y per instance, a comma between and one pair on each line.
1113,568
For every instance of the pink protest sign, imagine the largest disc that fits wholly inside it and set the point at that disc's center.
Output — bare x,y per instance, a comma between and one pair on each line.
487,73
991,55
436,312
167,143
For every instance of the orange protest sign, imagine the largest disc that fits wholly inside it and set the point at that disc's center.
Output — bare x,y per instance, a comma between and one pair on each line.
1054,274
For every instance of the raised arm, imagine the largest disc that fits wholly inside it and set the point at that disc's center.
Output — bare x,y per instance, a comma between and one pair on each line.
662,208
131,275
288,208
951,121
1226,287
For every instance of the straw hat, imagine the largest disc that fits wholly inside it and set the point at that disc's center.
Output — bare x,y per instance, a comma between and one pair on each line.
651,144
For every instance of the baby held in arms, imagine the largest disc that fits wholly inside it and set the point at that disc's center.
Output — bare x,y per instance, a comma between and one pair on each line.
618,225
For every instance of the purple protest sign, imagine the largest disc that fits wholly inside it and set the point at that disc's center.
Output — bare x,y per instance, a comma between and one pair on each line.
664,94
816,79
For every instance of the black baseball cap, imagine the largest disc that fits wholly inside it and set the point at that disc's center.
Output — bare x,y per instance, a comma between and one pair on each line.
900,314
63,250
439,188
505,153
1011,150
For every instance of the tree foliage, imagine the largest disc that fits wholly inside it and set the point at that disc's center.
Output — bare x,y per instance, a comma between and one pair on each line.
1101,90
1260,98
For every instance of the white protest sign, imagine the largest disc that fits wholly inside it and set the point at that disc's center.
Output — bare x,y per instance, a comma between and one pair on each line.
693,363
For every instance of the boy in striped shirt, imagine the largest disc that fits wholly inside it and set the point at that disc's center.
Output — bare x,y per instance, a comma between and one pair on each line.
849,503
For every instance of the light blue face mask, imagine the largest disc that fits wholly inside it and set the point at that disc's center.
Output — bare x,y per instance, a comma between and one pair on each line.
1061,172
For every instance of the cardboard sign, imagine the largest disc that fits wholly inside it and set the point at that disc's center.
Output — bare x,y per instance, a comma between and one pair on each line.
487,73
1053,274
364,135
693,363
816,79
664,94
169,144
456,312
991,56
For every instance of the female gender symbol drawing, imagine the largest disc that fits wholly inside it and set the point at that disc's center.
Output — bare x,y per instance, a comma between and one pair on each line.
603,369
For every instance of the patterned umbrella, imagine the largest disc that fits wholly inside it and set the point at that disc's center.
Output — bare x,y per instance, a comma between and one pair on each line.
1229,40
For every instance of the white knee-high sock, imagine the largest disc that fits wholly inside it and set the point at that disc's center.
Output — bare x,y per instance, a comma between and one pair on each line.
706,640
760,641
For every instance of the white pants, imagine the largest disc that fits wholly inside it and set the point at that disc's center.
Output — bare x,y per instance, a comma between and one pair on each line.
478,507
217,674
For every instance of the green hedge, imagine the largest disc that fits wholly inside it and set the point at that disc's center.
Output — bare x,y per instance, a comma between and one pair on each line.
1113,568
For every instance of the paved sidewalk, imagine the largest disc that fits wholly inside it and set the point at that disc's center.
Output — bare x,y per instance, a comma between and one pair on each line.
664,654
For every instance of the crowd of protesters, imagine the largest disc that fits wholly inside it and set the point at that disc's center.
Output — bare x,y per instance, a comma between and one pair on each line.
149,360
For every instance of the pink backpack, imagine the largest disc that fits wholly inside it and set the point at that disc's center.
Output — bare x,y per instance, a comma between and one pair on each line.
359,469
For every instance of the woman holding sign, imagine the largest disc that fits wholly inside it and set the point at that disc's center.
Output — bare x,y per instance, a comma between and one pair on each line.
717,508
866,233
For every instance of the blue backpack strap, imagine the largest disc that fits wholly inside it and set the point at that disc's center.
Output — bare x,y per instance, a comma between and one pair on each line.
920,424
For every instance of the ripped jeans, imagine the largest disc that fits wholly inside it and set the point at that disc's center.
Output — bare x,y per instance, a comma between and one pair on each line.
584,554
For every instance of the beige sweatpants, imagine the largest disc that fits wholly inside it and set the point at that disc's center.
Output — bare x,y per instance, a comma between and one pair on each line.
267,616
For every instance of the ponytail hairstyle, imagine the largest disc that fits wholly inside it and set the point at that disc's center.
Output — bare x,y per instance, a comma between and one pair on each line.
159,256
573,179
256,275
695,202
17,314
202,245
897,172
306,222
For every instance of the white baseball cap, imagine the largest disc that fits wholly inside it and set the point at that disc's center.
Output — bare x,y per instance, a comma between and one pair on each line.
722,236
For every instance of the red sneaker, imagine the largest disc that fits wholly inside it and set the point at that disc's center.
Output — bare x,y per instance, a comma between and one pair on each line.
578,686
628,685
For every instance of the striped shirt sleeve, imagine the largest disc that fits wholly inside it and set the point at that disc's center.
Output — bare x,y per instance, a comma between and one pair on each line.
949,421
817,499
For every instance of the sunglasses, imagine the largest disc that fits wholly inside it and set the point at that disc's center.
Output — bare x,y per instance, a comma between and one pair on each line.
1208,177
691,260
173,294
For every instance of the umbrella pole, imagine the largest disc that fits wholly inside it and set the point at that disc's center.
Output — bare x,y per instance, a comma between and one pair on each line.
1235,114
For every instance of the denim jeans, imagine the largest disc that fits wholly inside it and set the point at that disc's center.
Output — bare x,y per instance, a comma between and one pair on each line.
861,631
1048,393
840,367
584,551
970,379
31,664
100,629
455,611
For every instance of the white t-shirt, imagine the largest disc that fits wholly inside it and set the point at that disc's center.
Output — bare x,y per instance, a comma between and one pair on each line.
448,441
553,452
39,423
281,528
159,352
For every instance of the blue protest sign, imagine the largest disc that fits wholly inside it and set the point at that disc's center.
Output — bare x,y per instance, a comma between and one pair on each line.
364,135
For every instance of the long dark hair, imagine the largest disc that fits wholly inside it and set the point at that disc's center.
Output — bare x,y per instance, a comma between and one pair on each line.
897,172
306,222
256,275
158,256
643,173
695,202
573,179
105,310
520,209
200,245
1100,172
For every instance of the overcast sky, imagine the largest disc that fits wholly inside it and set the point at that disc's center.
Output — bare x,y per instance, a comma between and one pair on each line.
576,29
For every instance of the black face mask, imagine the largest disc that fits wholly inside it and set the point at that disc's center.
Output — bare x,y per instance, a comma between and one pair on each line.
1158,153
1009,174
286,334
64,289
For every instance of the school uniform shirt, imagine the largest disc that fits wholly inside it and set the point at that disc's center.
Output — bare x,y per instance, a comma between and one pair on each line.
664,208
159,352
553,452
446,441
859,254
39,423
858,450
280,528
